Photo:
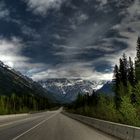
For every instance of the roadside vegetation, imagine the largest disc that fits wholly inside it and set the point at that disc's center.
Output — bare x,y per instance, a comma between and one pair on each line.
124,106
25,103
20,94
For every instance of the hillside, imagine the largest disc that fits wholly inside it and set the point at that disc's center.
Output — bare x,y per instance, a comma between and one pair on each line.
12,81
107,89
19,93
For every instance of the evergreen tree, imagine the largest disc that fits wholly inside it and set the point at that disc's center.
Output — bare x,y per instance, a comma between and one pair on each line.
116,80
131,74
138,49
128,112
137,61
123,70
125,62
94,98
116,76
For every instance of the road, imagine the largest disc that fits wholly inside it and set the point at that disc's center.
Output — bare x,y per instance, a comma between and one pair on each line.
48,126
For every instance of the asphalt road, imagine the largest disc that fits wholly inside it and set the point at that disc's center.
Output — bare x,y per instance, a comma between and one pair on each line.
48,126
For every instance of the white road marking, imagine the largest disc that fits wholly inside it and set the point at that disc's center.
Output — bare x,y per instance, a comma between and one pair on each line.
34,127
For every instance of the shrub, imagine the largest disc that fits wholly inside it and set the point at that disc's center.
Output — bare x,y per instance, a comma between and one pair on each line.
128,112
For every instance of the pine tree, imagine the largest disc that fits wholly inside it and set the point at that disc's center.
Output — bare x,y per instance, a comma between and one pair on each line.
137,61
131,74
116,80
94,98
116,76
138,49
123,70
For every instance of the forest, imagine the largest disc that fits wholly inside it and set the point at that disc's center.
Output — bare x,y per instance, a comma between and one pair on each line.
24,103
124,106
20,94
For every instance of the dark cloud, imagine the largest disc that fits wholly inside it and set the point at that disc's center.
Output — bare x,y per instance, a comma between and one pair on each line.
61,38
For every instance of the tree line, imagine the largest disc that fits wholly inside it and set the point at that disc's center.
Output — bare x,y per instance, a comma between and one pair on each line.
23,103
127,78
124,106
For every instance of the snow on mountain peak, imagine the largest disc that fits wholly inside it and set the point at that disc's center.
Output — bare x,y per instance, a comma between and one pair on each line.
68,89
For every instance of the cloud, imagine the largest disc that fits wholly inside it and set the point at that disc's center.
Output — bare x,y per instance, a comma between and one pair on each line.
78,19
53,73
4,12
10,51
42,6
84,41
134,10
29,31
101,5
129,29
10,54
95,41
90,43
72,71
102,2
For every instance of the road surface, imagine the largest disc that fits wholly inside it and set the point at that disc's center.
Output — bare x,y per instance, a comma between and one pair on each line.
48,126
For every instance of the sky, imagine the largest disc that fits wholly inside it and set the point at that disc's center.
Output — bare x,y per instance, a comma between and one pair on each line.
67,38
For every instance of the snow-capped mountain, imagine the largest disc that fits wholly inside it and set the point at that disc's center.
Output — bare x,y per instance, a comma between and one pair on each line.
107,89
66,90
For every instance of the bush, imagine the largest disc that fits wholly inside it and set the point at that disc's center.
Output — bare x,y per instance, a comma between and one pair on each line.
128,112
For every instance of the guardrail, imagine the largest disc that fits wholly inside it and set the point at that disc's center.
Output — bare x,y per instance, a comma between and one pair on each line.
124,132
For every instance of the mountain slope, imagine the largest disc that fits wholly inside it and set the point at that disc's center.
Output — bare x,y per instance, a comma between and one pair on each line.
13,82
66,90
107,89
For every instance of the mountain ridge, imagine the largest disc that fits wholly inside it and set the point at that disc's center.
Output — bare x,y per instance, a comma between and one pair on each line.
13,82
66,90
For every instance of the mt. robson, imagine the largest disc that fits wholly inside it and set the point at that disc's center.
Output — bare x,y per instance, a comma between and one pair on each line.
66,90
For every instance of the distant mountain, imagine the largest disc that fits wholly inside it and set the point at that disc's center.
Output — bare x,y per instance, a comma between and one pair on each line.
56,90
12,81
106,89
66,90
